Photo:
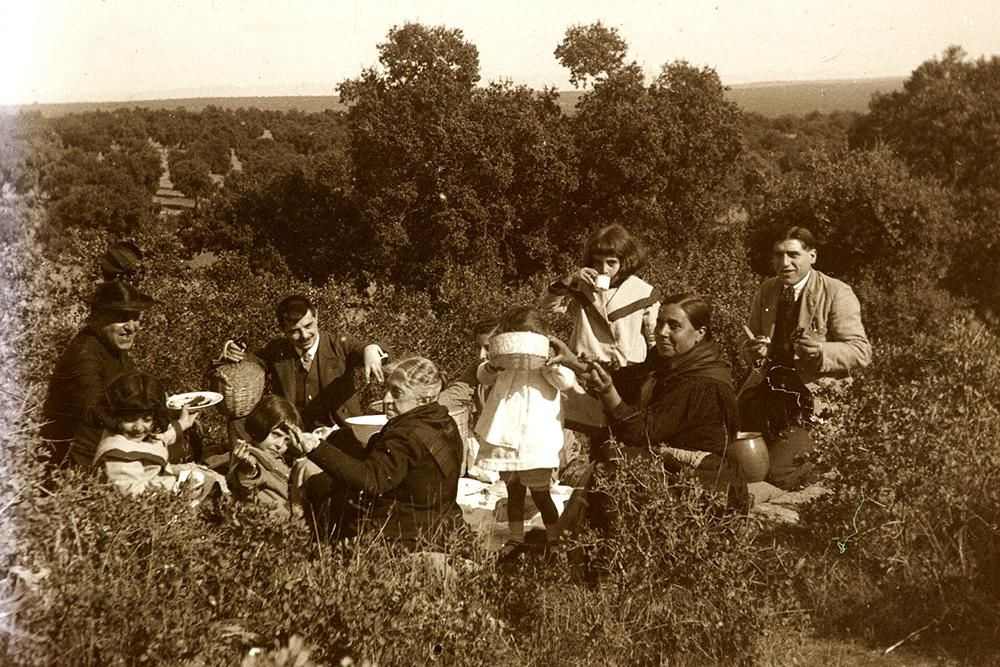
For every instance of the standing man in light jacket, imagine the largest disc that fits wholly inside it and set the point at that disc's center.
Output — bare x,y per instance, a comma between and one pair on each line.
805,326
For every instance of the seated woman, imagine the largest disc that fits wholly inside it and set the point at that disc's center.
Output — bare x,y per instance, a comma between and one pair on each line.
404,483
263,470
687,407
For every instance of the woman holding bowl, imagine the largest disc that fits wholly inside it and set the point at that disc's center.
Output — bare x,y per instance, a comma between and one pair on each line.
405,481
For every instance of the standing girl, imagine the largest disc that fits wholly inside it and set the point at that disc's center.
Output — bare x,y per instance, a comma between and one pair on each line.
520,429
613,310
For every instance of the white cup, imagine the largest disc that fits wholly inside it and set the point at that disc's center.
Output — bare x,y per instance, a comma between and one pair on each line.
602,281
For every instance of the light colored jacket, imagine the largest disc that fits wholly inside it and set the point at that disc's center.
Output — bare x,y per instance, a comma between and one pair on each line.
831,313
615,324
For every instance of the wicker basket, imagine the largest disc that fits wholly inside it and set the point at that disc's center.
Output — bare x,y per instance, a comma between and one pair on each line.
241,385
519,350
461,417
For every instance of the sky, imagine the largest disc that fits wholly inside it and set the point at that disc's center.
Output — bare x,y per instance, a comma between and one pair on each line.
124,50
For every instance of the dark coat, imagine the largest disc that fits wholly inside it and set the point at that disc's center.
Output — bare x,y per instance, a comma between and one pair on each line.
692,407
409,473
85,369
337,357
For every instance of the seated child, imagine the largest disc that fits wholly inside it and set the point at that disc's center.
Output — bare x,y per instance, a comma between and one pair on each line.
265,471
138,444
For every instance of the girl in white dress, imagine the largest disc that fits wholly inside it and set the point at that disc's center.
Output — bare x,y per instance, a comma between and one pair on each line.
521,426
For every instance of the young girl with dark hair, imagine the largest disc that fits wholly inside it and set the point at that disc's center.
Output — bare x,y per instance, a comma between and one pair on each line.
265,470
614,315
613,311
137,446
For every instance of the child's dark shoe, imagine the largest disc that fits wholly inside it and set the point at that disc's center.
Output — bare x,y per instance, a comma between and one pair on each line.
510,551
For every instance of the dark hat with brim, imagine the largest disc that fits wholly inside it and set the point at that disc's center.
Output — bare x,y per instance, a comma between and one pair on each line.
122,257
120,296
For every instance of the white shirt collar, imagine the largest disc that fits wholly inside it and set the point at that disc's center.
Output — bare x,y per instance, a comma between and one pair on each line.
310,353
801,285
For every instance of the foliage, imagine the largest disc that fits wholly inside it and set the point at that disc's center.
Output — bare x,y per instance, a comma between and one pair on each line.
592,51
107,579
655,158
870,217
446,173
679,578
943,125
917,443
191,177
153,579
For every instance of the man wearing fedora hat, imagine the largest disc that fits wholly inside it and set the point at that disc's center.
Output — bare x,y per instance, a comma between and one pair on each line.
94,357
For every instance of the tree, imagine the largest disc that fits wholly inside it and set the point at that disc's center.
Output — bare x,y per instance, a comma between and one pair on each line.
447,174
944,123
872,218
591,52
191,177
657,158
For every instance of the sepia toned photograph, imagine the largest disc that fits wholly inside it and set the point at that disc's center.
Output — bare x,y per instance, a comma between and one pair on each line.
524,333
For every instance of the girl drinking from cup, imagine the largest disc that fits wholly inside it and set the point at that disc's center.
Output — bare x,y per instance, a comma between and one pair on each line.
520,429
613,309
613,312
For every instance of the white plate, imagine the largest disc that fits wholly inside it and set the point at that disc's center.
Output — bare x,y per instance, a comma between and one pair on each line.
200,399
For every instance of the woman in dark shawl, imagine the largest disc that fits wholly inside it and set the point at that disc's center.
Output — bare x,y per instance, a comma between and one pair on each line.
686,413
405,481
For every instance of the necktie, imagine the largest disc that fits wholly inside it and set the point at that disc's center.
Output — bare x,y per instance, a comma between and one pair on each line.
788,294
306,360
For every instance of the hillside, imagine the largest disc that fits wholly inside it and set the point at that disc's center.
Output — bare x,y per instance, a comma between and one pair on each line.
771,99
798,98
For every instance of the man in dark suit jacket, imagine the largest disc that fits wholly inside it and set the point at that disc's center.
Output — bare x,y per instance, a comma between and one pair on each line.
312,368
806,326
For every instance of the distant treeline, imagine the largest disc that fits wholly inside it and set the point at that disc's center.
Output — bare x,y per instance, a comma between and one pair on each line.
426,172
771,99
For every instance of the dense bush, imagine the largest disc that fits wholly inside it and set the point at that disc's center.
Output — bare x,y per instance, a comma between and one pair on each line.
871,218
679,580
154,580
914,462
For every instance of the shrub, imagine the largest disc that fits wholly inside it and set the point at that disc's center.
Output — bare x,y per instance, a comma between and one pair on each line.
918,444
679,585
152,579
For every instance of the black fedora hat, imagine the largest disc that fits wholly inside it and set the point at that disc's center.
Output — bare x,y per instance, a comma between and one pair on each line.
122,257
119,295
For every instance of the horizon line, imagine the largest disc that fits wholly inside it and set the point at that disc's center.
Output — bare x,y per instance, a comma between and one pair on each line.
169,96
